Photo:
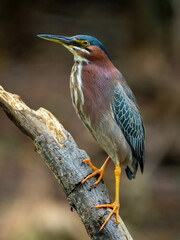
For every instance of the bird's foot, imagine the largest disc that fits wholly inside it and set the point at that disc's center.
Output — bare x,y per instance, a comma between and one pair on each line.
100,171
115,210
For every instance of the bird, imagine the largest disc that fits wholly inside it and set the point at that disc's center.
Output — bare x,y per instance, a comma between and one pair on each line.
107,107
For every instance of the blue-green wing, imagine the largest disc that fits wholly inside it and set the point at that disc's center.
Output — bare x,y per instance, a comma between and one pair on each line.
129,119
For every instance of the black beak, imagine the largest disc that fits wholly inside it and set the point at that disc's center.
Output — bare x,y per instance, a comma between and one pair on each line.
59,39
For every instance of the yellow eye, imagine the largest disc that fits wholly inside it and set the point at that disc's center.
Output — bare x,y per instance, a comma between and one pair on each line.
84,43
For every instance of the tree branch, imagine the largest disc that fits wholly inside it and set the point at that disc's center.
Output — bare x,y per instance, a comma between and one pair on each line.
60,152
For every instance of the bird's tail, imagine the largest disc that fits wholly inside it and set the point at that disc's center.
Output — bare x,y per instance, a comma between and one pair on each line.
131,172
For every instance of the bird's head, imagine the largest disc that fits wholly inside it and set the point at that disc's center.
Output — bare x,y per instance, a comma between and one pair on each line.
83,47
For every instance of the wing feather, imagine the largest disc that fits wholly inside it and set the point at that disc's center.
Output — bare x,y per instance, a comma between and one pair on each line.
128,118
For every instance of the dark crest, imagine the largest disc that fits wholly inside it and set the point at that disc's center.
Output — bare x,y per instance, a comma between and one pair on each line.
93,42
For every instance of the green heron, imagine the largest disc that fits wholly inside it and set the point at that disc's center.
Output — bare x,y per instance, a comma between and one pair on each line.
107,107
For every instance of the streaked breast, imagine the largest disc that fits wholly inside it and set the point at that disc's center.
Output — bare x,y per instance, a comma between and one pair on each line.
77,95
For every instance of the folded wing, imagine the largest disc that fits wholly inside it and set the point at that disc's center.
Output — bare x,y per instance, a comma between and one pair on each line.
128,118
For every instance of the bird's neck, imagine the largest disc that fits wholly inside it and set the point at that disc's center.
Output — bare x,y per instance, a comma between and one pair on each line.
91,86
79,58
76,83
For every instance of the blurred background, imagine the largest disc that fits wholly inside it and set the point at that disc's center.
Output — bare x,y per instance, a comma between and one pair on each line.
143,40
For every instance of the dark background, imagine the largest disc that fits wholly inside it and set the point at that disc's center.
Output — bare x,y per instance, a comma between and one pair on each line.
143,40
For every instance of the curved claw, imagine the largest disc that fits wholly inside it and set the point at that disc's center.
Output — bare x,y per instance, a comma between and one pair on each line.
100,171
89,176
90,164
115,209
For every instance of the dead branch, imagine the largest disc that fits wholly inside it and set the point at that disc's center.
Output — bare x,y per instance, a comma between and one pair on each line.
60,152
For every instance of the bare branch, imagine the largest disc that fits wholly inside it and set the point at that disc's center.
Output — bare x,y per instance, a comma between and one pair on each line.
60,152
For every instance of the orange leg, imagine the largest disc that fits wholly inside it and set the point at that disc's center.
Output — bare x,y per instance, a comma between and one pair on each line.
100,171
115,205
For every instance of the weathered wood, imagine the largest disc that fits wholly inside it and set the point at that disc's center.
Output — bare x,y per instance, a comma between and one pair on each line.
60,152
